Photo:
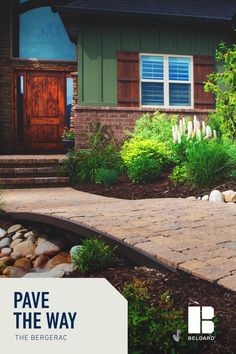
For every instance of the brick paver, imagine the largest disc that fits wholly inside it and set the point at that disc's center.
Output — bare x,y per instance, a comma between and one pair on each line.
190,235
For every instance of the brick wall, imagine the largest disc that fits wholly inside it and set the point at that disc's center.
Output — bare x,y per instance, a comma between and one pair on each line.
119,119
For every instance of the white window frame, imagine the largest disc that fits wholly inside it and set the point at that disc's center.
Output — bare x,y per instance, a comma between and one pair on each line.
166,81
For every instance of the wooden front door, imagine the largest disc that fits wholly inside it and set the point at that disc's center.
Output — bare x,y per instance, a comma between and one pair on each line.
45,111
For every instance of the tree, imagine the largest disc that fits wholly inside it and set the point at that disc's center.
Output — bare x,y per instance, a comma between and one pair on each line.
223,85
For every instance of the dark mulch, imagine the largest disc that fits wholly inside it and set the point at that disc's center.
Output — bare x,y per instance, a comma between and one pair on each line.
184,290
164,188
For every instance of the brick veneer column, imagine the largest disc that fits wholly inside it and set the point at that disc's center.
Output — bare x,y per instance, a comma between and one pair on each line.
6,108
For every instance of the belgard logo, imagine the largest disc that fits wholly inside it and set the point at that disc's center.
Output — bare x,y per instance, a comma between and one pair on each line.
200,322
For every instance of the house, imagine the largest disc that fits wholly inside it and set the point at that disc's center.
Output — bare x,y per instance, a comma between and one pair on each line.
129,57
141,56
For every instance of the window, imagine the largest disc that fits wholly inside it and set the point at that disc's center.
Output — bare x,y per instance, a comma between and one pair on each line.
166,81
40,34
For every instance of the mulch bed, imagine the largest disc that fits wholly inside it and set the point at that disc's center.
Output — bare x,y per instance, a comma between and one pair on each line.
184,291
164,188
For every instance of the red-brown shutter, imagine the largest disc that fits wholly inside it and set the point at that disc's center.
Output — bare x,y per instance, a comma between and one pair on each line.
128,79
203,66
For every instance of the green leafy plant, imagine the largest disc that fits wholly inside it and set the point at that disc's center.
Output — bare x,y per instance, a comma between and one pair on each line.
223,85
180,174
106,176
152,326
68,134
144,169
156,126
100,135
144,159
208,163
92,256
81,165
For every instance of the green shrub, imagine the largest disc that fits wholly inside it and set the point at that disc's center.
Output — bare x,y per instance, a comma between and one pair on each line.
82,165
106,176
180,174
144,159
92,256
223,85
144,169
208,163
152,326
149,148
157,127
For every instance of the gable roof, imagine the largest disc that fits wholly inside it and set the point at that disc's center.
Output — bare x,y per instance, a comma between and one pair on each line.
202,9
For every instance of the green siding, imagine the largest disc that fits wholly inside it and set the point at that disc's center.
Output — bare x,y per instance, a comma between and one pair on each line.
98,46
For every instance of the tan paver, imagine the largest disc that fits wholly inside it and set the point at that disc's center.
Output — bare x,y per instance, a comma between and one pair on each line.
190,235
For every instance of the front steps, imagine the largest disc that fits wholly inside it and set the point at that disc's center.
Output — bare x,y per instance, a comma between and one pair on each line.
27,171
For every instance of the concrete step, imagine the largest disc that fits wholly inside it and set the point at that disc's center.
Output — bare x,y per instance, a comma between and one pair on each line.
51,171
30,160
34,182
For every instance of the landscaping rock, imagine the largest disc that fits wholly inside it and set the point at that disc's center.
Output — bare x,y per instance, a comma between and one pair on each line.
6,251
191,198
14,272
57,272
61,258
41,261
216,196
74,249
25,248
17,235
29,234
5,242
24,263
2,233
205,197
15,255
14,228
15,242
229,196
47,248
23,231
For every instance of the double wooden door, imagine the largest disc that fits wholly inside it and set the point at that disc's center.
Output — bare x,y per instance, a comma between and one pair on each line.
45,111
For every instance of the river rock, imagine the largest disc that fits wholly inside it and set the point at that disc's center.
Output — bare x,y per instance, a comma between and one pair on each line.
216,196
14,272
191,198
61,258
24,263
15,242
15,255
32,238
74,250
23,231
2,233
6,251
17,235
25,248
41,261
14,228
5,242
229,196
29,234
47,248
57,272
205,197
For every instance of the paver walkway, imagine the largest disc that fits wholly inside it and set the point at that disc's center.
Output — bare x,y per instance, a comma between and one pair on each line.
191,235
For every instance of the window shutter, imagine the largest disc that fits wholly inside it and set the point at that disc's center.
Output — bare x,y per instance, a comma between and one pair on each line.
203,66
128,79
